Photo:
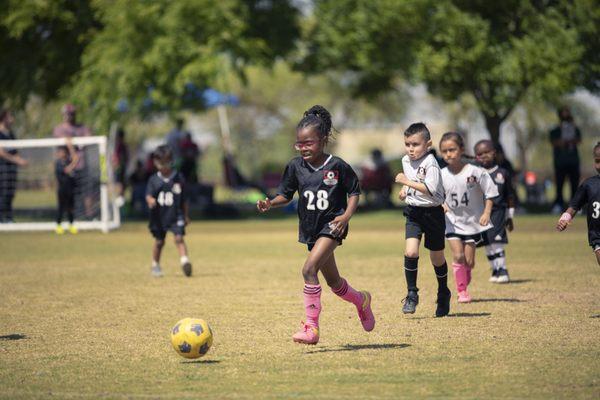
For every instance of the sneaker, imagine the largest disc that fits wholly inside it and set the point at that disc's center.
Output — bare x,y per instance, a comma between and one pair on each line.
464,297
59,230
307,335
367,319
443,303
410,302
503,276
187,268
494,277
73,229
157,272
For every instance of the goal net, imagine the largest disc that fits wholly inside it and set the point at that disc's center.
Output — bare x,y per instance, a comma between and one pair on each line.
29,194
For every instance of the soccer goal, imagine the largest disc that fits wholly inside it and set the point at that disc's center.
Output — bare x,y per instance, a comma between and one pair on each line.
34,186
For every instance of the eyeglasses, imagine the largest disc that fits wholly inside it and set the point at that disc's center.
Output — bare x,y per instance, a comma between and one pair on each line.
305,144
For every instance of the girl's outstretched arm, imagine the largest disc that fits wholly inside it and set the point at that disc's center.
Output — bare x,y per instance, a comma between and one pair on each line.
266,204
565,219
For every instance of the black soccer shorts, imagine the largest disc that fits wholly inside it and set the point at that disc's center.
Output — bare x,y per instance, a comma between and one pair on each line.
428,221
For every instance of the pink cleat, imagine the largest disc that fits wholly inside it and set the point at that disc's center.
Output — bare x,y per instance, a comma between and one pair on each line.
367,319
307,335
464,297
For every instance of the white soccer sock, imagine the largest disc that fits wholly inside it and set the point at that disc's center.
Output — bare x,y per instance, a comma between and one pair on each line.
496,257
155,264
184,259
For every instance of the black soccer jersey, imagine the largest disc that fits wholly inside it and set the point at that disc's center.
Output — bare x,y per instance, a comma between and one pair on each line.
323,192
169,193
589,193
501,178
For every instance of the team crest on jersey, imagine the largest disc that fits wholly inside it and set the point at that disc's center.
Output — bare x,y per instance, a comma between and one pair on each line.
421,174
499,178
176,188
330,178
471,181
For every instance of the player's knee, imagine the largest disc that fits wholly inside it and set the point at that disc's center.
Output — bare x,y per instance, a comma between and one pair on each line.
459,258
411,253
309,271
178,239
159,243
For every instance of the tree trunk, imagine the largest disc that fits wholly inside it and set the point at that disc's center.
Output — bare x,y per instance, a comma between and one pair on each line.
493,123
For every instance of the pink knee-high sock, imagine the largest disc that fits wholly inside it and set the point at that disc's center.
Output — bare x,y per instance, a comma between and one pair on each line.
312,304
460,276
348,293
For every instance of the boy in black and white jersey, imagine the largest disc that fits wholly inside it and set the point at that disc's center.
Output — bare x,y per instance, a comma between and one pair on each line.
424,193
165,195
503,211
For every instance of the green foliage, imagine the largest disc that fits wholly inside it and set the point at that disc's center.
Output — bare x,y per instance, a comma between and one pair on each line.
149,51
41,43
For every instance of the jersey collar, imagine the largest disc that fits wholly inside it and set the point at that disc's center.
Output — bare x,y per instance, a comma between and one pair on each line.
167,179
493,169
322,166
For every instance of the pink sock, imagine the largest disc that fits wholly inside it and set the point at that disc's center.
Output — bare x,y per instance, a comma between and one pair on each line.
348,293
312,304
460,276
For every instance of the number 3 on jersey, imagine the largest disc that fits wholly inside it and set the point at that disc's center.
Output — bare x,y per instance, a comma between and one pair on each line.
165,199
596,207
322,203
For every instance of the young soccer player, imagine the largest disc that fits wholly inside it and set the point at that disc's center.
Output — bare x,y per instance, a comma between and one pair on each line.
63,169
328,197
165,195
503,211
469,191
588,193
424,194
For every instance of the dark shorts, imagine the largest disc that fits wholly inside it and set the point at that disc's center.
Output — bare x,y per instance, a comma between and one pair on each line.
497,234
160,232
429,221
326,232
479,239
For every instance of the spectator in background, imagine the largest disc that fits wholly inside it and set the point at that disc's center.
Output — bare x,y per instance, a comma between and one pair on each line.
565,138
120,159
69,129
190,152
174,139
137,181
10,160
377,179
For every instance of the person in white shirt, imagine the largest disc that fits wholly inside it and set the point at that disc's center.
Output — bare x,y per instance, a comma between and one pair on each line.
424,194
469,191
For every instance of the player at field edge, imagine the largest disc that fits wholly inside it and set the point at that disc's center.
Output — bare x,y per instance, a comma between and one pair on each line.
587,193
64,168
328,197
503,211
468,203
424,194
165,196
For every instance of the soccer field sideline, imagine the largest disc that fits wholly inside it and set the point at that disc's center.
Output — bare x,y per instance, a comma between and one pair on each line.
93,323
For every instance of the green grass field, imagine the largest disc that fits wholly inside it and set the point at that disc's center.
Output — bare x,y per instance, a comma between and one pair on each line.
80,317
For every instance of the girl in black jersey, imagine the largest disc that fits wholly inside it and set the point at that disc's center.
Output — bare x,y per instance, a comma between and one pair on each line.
328,197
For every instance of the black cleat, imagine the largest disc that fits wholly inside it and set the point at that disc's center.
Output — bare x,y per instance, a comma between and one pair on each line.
443,303
410,302
187,268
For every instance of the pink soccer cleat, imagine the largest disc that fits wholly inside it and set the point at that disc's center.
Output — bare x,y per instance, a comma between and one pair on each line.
307,335
464,297
367,319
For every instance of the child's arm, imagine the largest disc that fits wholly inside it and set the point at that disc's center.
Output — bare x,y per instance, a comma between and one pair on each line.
151,201
69,168
266,204
186,214
340,222
485,217
402,195
402,179
565,219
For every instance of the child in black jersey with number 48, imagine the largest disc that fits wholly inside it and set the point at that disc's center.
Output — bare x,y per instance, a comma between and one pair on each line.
587,193
328,197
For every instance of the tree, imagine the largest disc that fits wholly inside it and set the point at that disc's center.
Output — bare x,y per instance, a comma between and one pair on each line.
495,51
159,55
41,44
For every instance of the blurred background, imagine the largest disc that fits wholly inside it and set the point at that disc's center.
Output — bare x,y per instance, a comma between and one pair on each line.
229,79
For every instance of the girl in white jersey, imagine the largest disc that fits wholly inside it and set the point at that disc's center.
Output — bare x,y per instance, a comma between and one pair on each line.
468,205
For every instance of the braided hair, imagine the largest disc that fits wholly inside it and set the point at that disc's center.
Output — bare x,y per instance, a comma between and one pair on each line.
318,118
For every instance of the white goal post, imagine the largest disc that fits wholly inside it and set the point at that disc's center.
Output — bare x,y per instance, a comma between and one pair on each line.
34,187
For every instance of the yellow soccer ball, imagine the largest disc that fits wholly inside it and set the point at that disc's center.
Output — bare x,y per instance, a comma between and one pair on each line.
191,337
